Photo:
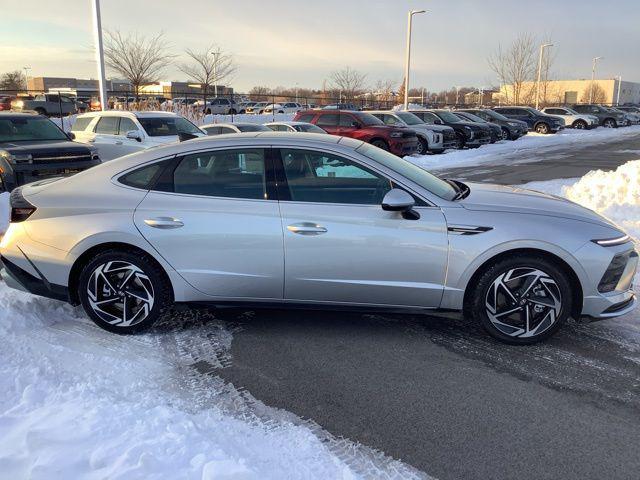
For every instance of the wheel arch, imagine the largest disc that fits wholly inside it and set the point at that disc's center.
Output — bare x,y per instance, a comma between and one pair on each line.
87,255
574,279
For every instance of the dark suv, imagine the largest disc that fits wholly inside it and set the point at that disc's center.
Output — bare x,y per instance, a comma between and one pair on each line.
511,129
608,118
32,148
470,134
363,126
538,122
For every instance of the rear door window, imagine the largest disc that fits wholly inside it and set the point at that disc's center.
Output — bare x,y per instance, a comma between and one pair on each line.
81,124
108,125
329,120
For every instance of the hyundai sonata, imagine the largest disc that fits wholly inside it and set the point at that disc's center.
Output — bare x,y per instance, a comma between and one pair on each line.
310,220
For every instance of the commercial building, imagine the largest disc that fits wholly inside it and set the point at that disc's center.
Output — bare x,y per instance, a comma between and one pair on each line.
182,89
74,86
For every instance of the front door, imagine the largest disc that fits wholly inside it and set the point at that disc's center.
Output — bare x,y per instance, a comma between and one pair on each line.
329,123
341,247
213,221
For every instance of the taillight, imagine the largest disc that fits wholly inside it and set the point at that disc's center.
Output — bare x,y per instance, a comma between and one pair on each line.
21,209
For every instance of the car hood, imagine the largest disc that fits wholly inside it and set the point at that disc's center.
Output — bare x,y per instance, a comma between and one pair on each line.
41,147
434,127
499,198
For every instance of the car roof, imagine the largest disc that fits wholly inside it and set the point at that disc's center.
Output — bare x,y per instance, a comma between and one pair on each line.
292,123
130,114
19,115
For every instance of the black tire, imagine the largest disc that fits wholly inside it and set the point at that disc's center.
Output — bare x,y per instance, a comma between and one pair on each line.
580,125
280,111
150,278
556,283
41,111
543,128
460,141
232,111
609,123
506,135
207,111
380,144
423,146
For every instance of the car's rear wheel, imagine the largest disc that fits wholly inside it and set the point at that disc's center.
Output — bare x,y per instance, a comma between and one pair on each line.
609,123
380,144
521,299
423,146
580,124
543,128
123,292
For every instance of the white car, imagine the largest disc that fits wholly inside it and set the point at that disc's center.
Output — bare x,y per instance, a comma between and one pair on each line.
287,107
257,108
573,119
238,127
294,127
428,139
118,133
218,106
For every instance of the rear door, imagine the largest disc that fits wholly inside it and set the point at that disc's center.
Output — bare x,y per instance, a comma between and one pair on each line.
212,216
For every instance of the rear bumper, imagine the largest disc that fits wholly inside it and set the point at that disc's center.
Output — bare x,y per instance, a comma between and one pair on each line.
19,279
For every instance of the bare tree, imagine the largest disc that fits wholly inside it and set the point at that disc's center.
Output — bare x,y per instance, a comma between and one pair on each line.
13,81
258,93
384,90
599,95
515,65
208,67
137,58
350,82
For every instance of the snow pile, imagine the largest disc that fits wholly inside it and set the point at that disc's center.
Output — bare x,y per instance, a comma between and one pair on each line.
614,194
524,149
78,402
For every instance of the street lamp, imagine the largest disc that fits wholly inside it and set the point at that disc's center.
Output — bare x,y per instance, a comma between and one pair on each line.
542,47
593,76
619,87
216,55
408,56
26,76
97,32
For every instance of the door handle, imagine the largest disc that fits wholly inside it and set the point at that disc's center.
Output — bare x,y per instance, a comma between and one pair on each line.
164,222
307,228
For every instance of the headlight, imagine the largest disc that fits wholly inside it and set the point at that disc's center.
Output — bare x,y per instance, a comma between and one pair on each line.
612,242
20,103
395,134
17,158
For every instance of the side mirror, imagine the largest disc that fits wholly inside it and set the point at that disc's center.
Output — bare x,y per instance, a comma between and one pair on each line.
355,124
71,135
397,200
437,121
134,135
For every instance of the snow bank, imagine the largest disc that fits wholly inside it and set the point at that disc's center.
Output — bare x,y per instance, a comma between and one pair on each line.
614,194
526,147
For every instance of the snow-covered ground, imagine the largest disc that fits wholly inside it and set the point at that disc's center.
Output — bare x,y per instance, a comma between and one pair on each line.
525,147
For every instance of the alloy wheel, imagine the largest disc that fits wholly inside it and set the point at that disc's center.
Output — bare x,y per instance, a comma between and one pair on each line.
505,134
523,302
120,293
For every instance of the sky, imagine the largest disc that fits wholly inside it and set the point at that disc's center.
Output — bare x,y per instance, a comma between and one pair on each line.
289,42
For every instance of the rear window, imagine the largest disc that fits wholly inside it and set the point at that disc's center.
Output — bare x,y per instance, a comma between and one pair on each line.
143,177
307,117
81,124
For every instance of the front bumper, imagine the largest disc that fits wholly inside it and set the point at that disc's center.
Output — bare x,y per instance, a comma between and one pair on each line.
403,146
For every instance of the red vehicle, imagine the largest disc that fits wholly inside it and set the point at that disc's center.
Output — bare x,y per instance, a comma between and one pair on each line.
5,102
363,126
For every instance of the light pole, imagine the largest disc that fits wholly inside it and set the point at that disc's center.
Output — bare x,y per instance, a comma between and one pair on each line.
619,87
26,76
97,33
542,47
216,56
457,95
593,76
408,56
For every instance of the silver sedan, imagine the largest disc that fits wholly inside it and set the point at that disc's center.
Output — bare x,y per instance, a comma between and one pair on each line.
264,219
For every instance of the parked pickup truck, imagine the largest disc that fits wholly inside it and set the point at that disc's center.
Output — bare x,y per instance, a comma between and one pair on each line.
33,148
50,104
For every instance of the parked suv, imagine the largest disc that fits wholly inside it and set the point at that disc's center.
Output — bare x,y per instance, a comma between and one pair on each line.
573,119
46,104
606,117
33,148
363,126
468,134
511,129
285,107
538,122
116,133
496,131
219,106
430,137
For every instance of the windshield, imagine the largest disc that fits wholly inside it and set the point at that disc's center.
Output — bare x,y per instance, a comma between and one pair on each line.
166,126
472,117
311,128
534,111
253,128
368,119
448,116
496,115
409,118
408,170
23,128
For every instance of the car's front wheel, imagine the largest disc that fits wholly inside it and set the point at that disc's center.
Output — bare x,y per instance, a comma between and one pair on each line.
423,146
609,123
505,134
521,299
123,292
543,128
580,125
